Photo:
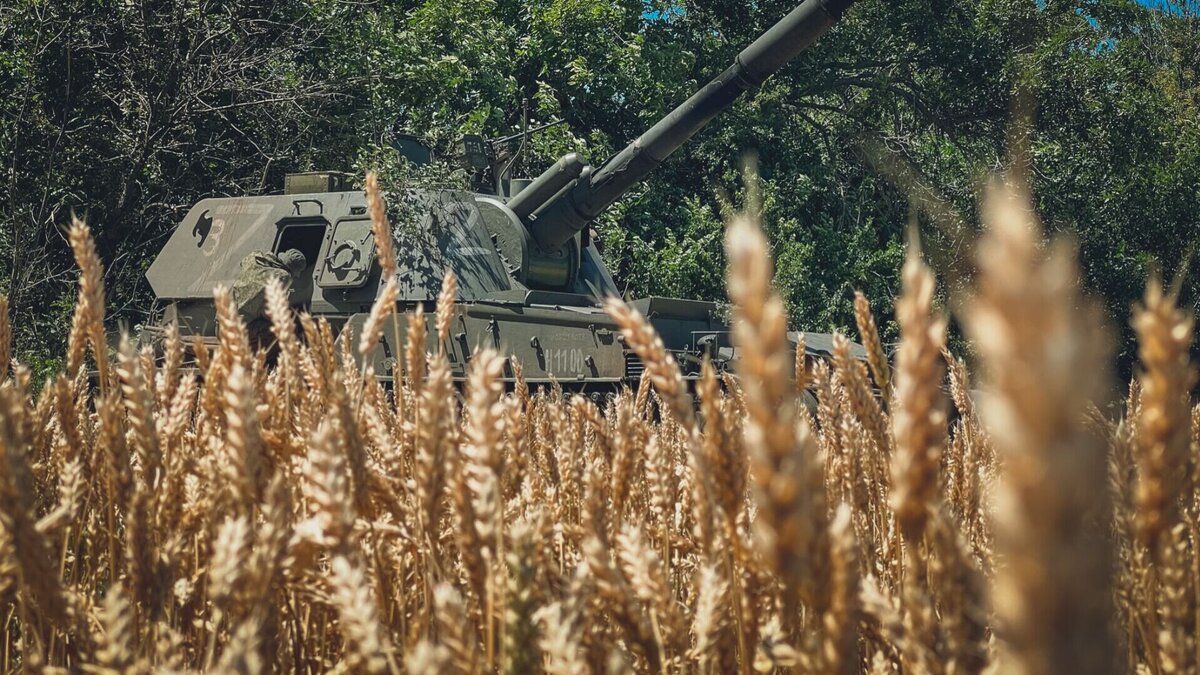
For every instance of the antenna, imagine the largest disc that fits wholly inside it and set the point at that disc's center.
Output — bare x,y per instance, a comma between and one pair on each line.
524,136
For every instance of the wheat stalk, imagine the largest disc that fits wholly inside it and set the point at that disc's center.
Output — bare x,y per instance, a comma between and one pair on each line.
1165,335
919,421
791,525
5,338
869,333
1045,362
89,311
381,230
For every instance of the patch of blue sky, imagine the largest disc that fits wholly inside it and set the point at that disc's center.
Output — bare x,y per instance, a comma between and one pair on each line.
1168,7
1175,7
1105,43
653,13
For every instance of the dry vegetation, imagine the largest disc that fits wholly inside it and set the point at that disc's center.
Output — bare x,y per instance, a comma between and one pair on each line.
301,518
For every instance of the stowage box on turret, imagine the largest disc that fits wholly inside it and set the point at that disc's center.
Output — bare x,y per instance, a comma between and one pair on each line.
531,281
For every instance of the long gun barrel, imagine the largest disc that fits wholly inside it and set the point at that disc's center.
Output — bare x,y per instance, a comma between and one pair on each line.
570,209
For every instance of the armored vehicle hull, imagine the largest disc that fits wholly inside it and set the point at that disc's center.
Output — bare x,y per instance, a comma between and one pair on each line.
557,336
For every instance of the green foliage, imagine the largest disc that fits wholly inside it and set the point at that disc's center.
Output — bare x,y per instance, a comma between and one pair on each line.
131,111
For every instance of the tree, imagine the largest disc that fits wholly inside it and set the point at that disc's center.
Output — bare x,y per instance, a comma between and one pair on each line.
130,111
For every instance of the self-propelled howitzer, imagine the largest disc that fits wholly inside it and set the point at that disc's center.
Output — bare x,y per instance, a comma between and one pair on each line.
530,280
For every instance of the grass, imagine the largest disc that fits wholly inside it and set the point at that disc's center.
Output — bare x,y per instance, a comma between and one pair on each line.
242,518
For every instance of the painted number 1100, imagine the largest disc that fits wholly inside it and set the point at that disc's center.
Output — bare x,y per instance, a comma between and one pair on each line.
564,360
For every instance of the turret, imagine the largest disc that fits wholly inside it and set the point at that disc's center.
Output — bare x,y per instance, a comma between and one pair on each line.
564,199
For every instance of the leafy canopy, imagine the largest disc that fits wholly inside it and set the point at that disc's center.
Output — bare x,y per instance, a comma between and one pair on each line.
130,111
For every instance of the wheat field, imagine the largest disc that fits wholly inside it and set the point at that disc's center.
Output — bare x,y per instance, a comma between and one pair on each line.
229,516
